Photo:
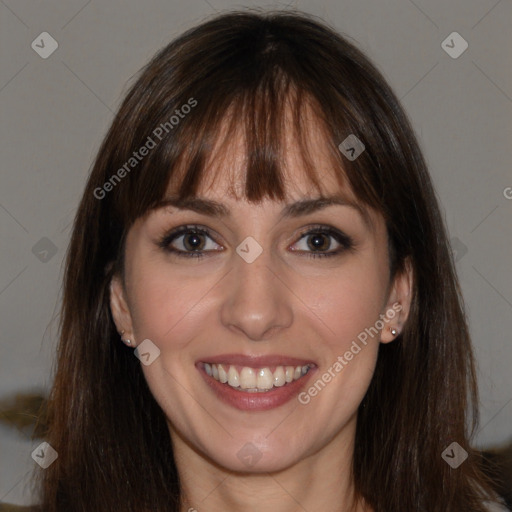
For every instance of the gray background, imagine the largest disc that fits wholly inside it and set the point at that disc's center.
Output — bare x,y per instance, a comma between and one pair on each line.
55,112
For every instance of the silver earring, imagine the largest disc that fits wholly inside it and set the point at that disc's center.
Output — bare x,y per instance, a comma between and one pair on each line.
394,332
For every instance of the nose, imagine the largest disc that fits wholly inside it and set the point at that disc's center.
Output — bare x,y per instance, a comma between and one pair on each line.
257,300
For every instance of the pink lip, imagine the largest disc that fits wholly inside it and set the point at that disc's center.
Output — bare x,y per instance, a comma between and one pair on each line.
255,361
255,401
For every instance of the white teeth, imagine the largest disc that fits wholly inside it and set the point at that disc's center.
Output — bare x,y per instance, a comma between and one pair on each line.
233,377
254,380
223,376
264,379
279,377
247,378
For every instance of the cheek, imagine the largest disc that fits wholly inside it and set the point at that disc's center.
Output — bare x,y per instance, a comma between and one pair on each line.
349,301
347,309
164,306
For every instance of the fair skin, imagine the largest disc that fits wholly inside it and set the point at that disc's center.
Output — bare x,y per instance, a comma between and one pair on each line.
282,303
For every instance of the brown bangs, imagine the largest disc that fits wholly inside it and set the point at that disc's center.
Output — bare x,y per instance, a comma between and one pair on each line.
263,121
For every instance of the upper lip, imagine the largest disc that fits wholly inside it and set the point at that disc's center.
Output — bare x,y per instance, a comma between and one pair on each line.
253,361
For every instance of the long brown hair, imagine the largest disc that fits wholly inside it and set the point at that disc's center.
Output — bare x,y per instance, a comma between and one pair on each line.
111,436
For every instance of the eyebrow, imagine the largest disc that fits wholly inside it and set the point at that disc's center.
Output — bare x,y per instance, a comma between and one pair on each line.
293,210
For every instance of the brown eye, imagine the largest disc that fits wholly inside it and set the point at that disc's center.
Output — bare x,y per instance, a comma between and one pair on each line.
188,242
193,241
319,240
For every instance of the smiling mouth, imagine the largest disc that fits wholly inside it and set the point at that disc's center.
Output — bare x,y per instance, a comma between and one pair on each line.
255,380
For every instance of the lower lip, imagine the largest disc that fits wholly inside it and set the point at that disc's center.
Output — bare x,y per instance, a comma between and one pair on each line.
258,401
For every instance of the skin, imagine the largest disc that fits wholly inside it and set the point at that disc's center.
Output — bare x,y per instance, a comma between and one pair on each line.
282,303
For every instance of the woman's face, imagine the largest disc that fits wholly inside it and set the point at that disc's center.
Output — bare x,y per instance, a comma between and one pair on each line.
256,308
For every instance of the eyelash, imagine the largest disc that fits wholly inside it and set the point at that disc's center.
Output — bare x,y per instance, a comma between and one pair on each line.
165,242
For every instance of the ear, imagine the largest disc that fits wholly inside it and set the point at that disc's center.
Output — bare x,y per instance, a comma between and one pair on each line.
399,303
120,310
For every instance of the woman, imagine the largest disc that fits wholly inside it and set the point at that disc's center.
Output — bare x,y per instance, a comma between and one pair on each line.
260,304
